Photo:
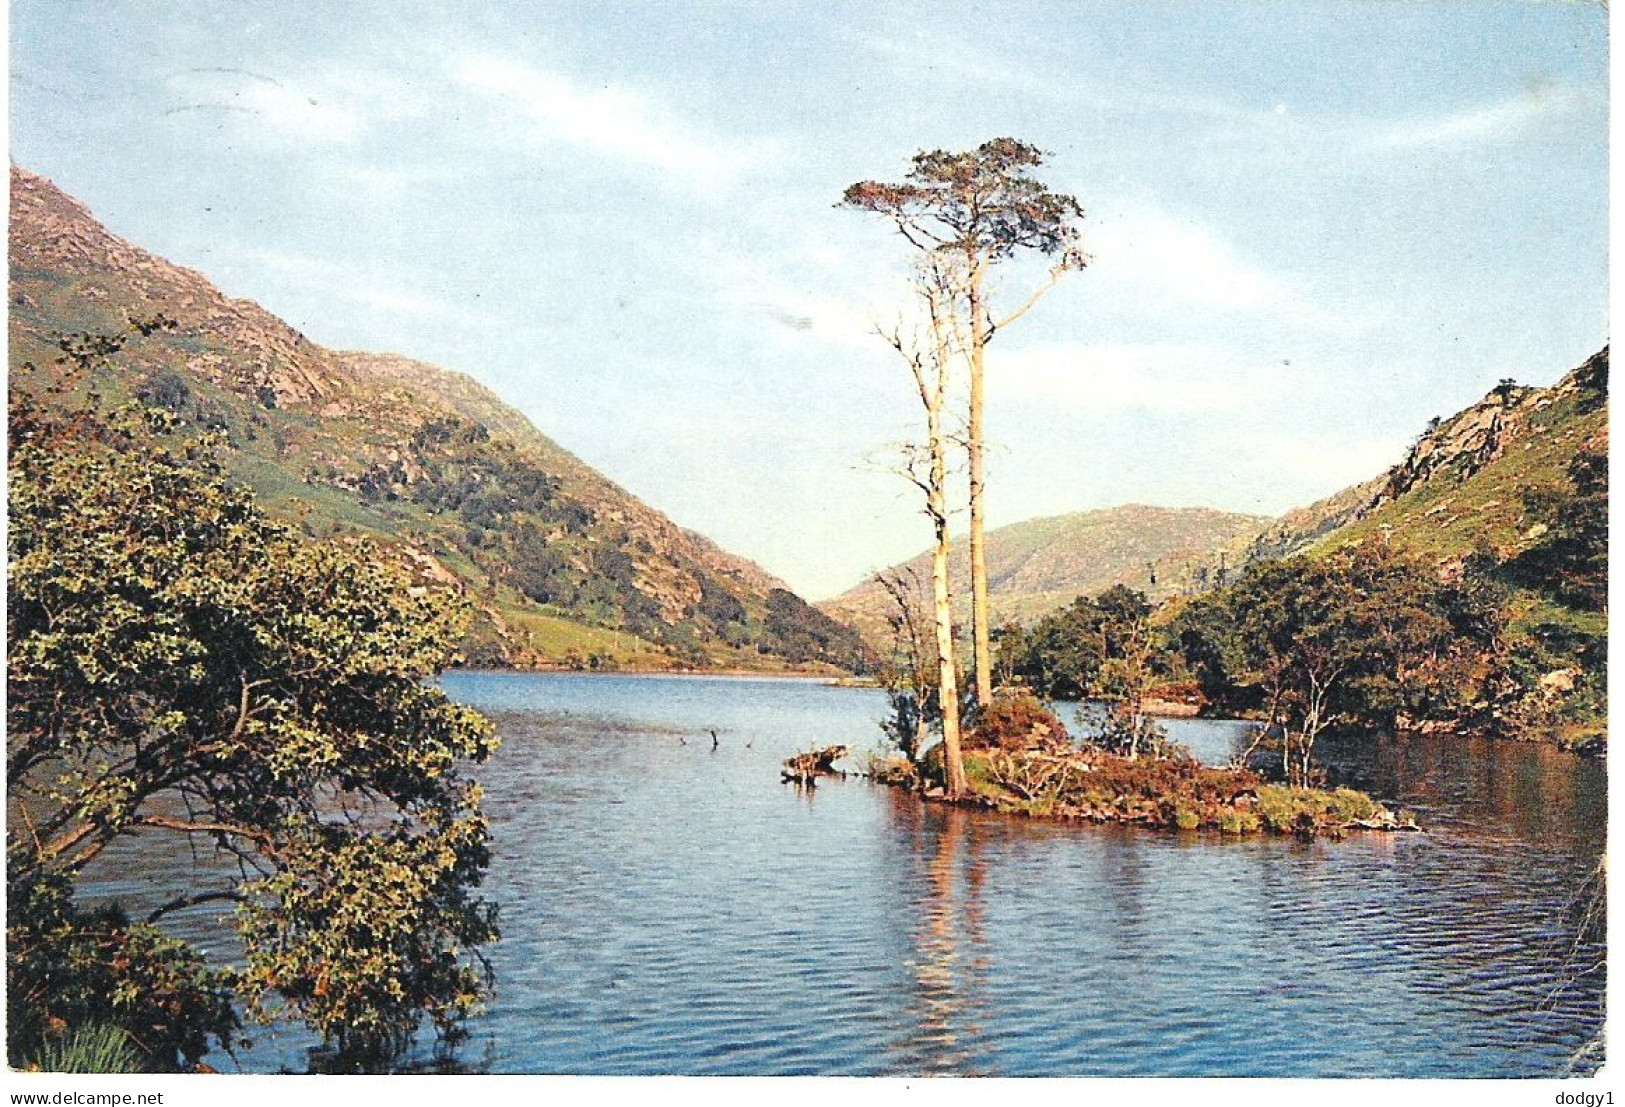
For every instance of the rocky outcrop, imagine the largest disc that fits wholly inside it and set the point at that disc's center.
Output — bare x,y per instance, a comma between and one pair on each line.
1462,446
424,458
270,360
1510,418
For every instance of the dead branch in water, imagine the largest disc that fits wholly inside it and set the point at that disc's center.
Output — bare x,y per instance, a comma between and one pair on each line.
805,768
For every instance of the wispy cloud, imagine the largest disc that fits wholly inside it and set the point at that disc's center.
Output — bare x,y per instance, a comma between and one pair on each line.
1183,259
361,287
267,105
1503,120
1325,463
609,120
1152,376
376,185
931,53
334,105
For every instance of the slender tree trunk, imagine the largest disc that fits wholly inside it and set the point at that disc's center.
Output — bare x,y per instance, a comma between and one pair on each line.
948,676
1286,743
980,635
942,608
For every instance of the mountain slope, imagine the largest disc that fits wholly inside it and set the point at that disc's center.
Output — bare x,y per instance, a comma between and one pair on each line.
1466,484
564,566
1041,564
1470,483
1509,496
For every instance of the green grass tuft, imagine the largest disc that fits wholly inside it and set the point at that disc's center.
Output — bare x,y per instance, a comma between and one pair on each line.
98,1047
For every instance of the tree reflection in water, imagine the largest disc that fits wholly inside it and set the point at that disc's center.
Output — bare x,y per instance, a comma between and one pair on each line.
948,962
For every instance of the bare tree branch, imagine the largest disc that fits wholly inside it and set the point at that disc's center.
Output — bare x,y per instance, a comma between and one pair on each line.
192,901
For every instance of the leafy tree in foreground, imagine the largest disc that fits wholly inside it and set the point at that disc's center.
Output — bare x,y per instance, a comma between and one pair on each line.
967,213
181,666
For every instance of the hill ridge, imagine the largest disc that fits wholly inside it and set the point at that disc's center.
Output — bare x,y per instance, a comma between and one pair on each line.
1507,438
565,565
1499,436
1039,564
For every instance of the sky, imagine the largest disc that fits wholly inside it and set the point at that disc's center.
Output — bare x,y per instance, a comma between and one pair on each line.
1313,226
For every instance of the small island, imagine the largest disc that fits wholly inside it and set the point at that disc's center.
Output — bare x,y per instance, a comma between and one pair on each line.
1019,759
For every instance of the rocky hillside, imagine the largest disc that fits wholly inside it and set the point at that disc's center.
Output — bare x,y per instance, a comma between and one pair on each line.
1475,482
564,566
1468,482
1516,488
1041,564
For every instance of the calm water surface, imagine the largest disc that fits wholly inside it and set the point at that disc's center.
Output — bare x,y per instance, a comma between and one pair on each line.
667,908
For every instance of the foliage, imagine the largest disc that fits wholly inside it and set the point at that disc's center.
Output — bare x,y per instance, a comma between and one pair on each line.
1200,636
1129,670
1513,491
1100,648
1175,793
75,978
1097,647
166,389
1019,758
1059,657
1363,637
801,633
1569,561
181,665
1551,680
980,202
361,922
94,1047
1294,810
1016,721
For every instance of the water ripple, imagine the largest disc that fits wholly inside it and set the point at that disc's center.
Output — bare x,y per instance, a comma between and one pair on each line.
721,923
667,908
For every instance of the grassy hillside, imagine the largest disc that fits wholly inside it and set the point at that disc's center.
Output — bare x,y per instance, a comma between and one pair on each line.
1041,564
1512,490
1519,480
563,566
1466,484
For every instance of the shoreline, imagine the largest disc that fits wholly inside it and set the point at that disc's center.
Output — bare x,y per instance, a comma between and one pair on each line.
833,679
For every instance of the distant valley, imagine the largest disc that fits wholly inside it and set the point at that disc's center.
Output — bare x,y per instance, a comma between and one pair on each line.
561,566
